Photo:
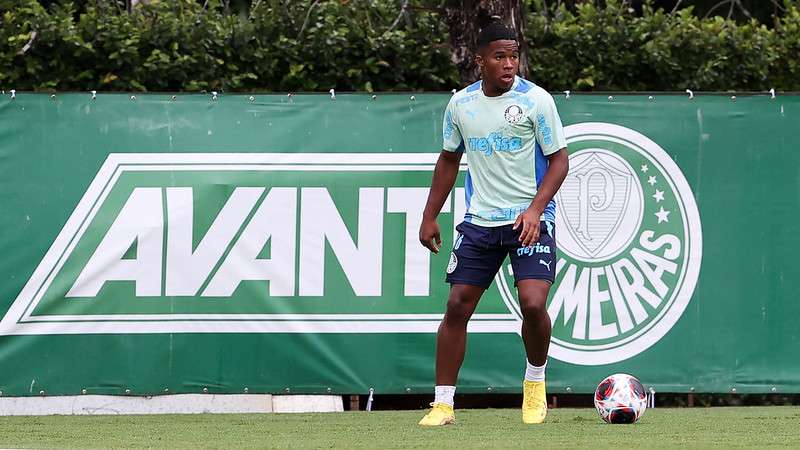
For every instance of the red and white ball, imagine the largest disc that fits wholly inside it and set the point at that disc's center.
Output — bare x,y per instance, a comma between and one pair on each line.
620,398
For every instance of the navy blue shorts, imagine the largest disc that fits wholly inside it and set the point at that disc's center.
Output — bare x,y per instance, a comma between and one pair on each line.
479,252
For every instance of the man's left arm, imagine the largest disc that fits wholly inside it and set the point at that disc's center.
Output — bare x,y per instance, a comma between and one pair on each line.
556,173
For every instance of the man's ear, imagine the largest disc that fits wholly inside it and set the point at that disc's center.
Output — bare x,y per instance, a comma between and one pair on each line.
479,61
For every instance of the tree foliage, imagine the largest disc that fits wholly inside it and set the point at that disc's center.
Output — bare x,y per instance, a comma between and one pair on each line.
182,45
612,49
382,45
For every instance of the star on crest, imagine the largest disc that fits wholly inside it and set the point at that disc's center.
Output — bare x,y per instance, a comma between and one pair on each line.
662,215
645,168
659,196
652,180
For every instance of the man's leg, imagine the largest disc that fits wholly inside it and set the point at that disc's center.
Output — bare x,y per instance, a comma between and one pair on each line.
534,273
536,337
476,258
451,341
535,321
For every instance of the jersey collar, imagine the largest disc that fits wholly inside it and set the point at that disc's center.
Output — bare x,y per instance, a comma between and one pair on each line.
504,94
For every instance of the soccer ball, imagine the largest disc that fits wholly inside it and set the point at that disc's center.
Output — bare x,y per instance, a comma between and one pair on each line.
620,398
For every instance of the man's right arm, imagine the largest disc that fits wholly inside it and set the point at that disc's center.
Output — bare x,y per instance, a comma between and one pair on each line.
444,177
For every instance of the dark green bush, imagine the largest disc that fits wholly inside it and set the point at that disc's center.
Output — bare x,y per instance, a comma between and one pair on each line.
609,49
357,45
786,70
181,45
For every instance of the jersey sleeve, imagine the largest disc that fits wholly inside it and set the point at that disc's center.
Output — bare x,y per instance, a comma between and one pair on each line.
547,123
451,133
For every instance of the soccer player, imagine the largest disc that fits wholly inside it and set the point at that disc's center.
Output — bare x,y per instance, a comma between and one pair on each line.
517,158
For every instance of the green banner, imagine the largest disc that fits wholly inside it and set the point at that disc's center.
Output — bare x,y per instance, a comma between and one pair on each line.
268,243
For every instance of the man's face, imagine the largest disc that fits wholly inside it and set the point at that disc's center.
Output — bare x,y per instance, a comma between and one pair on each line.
499,62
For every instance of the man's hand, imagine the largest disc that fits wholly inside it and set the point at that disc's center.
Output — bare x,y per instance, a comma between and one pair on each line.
429,235
530,226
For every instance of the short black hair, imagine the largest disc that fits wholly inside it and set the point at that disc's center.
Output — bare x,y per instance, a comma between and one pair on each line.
495,31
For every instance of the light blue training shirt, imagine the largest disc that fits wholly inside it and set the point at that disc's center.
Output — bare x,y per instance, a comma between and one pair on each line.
507,139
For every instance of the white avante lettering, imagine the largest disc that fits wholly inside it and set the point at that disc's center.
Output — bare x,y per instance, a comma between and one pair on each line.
187,269
411,202
141,226
139,223
274,223
320,222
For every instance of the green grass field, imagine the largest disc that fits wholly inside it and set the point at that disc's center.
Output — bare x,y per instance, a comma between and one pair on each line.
488,428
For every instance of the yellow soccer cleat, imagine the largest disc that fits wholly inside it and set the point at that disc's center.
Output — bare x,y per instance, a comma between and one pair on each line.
534,401
440,414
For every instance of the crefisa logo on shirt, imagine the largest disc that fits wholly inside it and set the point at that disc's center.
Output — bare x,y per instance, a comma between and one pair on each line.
629,247
513,114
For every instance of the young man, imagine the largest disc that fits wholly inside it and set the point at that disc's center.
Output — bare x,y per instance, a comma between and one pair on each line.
517,157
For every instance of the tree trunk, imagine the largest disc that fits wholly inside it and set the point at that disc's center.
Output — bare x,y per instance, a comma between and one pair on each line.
466,18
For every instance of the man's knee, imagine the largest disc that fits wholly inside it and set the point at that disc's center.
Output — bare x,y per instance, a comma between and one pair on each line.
460,305
533,298
533,308
458,309
533,302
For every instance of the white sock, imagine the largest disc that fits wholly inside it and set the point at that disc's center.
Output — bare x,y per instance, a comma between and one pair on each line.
445,394
534,373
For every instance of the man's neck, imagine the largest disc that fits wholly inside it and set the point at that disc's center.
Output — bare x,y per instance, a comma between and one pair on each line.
492,91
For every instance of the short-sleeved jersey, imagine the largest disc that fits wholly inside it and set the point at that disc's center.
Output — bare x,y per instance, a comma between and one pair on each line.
507,139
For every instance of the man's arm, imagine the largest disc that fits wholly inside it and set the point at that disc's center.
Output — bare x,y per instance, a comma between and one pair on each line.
553,177
444,177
